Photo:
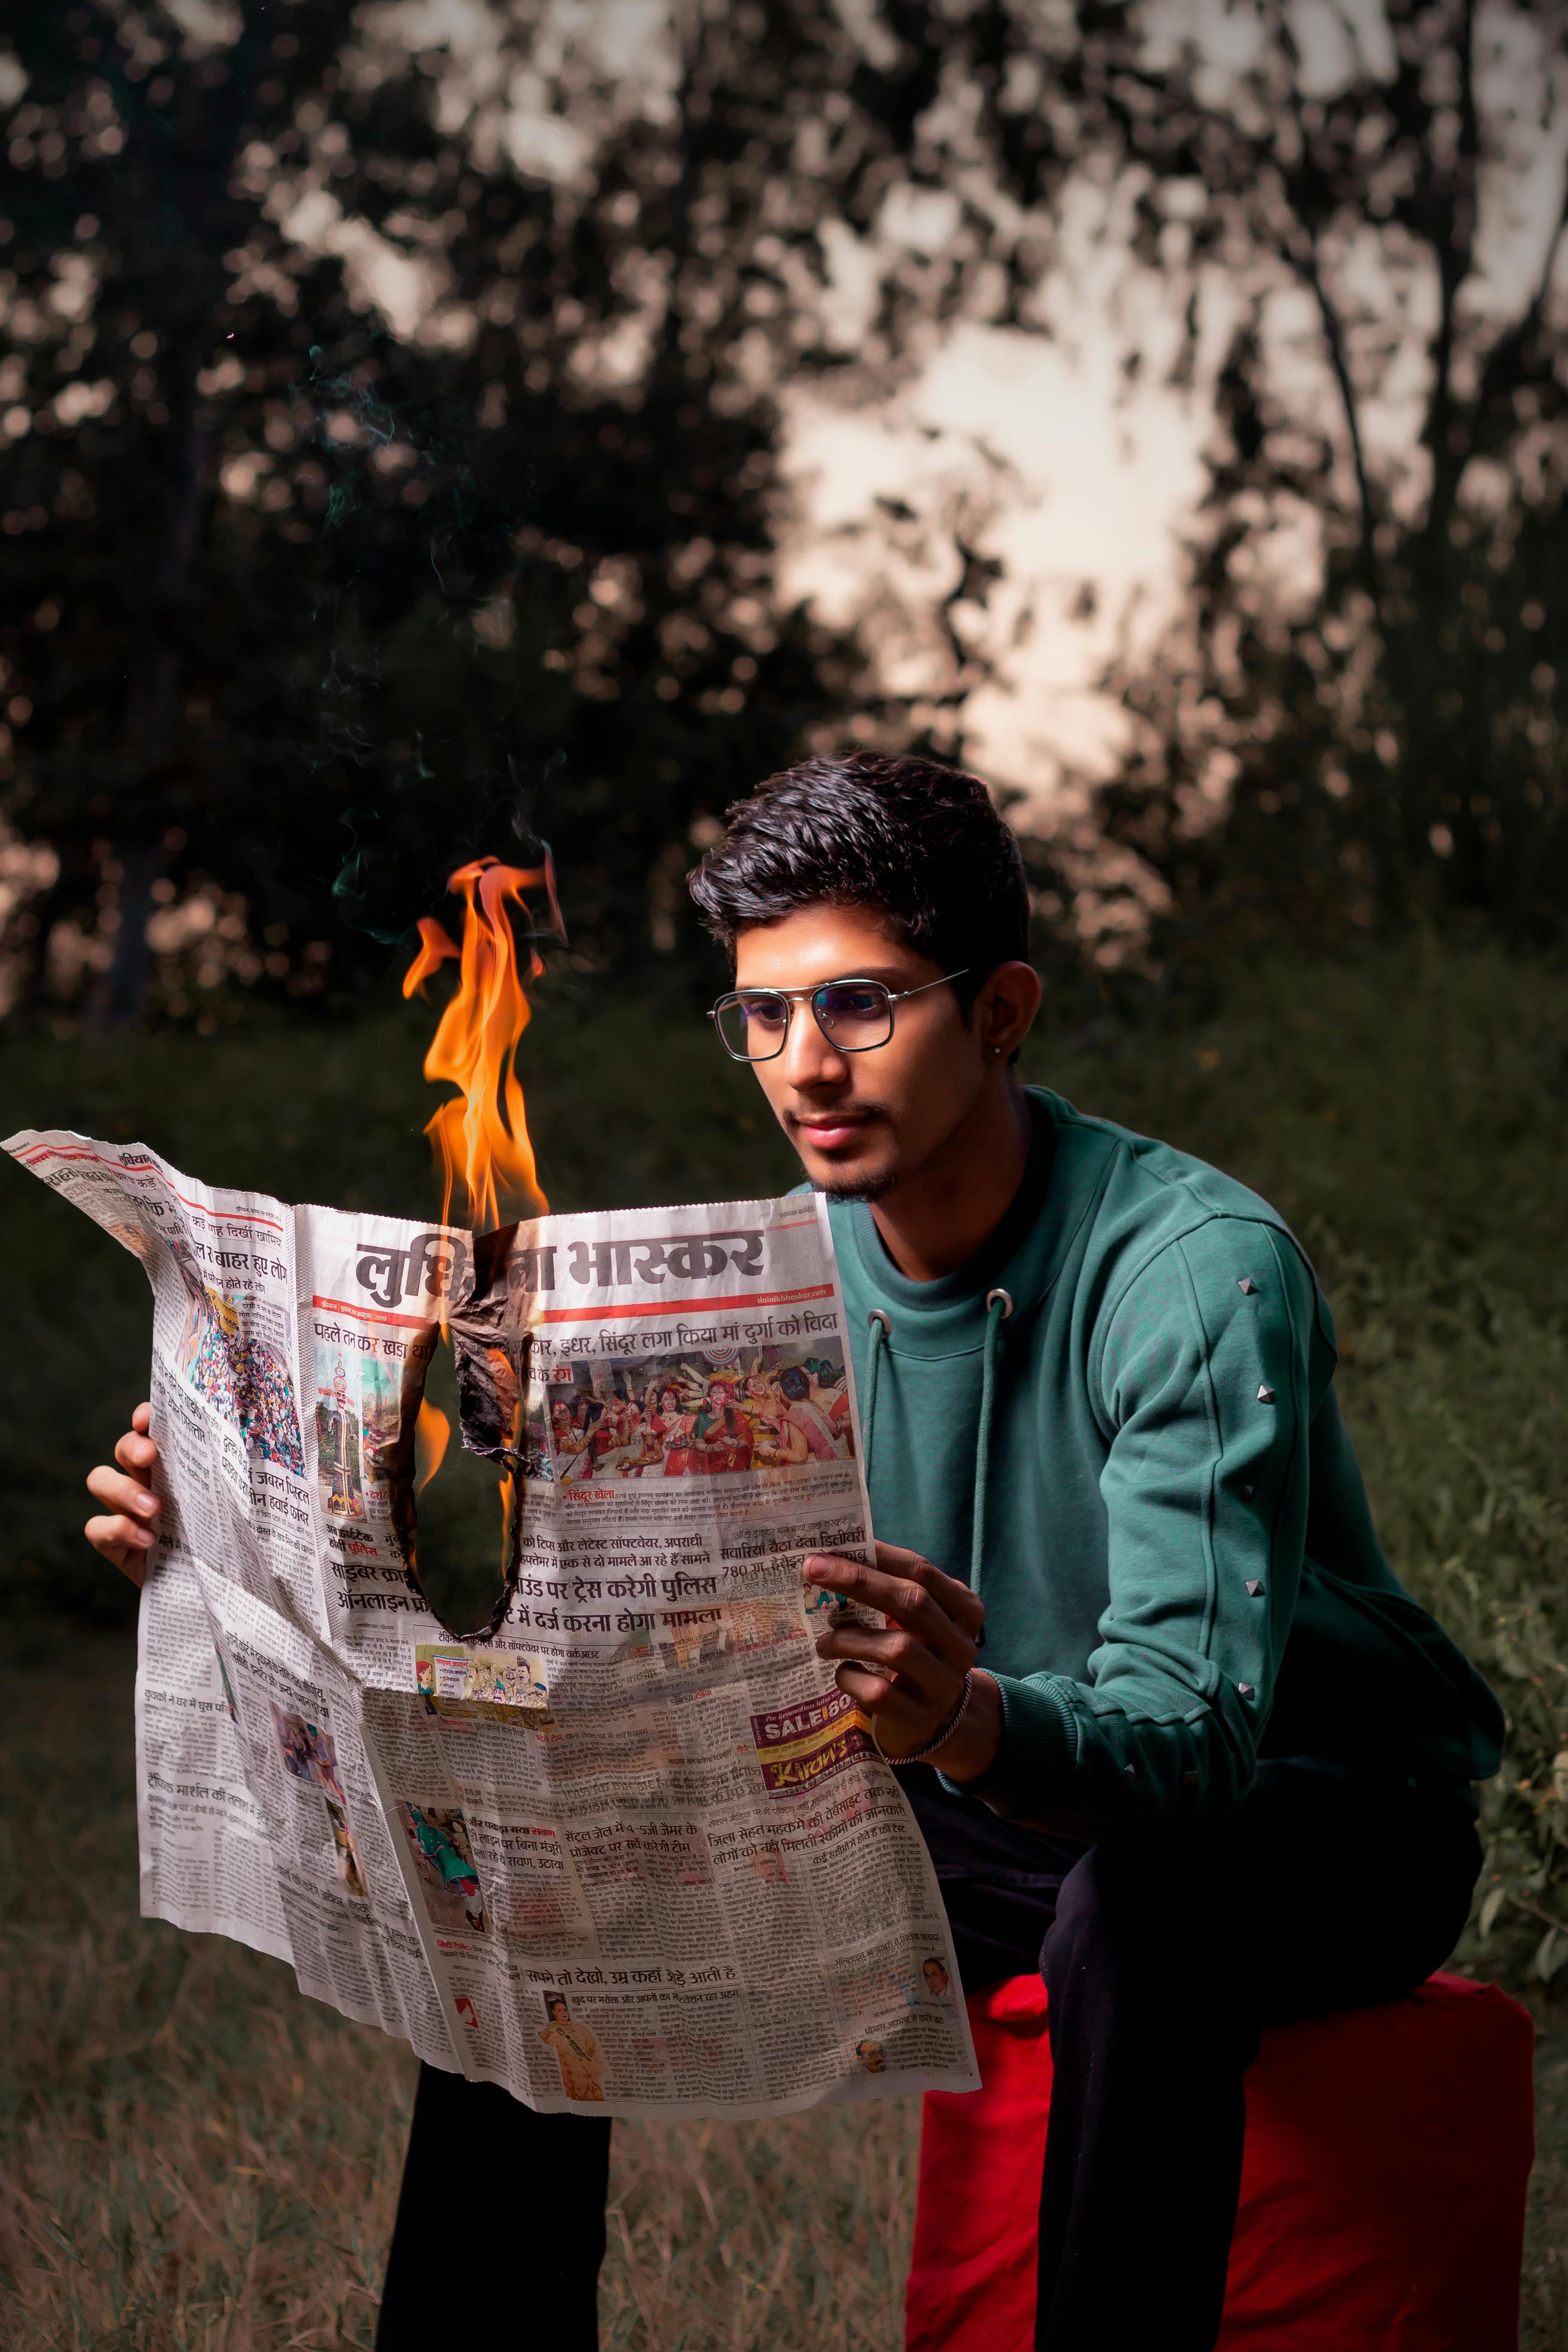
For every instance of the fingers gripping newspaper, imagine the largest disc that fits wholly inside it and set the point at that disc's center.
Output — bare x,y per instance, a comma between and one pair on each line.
629,1847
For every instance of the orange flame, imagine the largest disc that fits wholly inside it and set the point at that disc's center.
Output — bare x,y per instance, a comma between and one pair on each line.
432,1433
480,1136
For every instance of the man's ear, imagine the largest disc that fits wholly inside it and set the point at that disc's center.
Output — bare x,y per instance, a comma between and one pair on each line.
1005,1008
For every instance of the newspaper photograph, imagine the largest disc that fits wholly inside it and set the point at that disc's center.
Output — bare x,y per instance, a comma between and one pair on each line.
624,1846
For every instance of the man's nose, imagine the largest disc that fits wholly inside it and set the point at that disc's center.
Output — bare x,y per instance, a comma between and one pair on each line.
809,1059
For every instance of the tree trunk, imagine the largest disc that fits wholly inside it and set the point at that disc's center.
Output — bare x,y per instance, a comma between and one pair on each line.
118,998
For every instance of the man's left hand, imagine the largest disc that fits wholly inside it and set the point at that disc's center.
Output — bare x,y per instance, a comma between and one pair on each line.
908,1679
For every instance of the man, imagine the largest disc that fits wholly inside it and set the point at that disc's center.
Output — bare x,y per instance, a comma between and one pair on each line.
938,1983
1172,1731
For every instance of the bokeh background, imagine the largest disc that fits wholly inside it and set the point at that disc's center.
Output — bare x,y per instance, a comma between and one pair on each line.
436,427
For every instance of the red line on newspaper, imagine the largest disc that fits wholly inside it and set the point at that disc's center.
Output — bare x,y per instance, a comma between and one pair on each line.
371,1315
127,1167
686,1306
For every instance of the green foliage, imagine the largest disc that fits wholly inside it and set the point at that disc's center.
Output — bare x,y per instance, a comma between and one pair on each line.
1408,1097
1456,1387
1408,1111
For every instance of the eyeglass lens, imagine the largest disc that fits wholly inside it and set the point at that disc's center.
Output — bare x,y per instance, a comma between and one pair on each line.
854,1014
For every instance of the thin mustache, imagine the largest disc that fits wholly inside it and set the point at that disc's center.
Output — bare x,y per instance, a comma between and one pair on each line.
828,1112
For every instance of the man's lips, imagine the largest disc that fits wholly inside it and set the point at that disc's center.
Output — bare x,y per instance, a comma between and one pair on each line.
830,1130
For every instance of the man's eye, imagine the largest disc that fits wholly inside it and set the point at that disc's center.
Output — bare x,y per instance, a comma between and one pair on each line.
852,1004
764,1011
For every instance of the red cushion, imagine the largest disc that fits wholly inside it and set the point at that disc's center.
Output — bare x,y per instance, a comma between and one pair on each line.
1382,2189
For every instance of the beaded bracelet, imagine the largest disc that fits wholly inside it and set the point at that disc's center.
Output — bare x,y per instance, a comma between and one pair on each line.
943,1737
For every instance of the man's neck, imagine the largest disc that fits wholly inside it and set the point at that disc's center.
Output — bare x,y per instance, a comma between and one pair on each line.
934,1221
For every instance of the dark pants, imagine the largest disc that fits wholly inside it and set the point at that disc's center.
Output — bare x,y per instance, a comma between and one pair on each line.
1162,1957
486,2181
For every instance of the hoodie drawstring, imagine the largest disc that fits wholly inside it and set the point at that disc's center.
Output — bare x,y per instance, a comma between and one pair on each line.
998,1306
881,1328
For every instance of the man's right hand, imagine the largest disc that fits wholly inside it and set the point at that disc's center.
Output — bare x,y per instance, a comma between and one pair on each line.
127,1530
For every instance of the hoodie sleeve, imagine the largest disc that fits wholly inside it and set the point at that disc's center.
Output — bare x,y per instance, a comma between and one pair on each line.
1209,1369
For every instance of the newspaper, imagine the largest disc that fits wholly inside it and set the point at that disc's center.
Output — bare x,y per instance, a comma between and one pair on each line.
628,1845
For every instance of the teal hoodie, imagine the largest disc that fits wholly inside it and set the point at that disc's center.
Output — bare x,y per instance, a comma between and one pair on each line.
1118,1422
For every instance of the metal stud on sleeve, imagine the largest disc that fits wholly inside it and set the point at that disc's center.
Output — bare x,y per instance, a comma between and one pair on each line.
1265,1394
1246,1286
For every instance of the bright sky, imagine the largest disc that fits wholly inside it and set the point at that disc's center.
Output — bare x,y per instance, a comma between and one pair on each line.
1025,441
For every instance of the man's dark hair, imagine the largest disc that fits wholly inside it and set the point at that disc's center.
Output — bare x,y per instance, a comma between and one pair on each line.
921,845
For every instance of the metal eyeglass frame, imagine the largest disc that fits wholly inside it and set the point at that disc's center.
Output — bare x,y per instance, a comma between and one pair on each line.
793,996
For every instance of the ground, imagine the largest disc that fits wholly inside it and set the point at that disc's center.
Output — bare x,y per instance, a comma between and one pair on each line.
194,2156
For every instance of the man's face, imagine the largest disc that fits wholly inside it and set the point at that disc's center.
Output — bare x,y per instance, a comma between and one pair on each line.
862,1122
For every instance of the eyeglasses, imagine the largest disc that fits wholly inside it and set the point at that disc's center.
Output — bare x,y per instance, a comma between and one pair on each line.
855,1016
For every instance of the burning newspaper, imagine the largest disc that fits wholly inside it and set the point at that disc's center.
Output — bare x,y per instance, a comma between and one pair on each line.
629,1846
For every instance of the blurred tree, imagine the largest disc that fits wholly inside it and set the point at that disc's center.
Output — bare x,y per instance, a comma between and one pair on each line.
311,603
1359,216
1387,716
393,428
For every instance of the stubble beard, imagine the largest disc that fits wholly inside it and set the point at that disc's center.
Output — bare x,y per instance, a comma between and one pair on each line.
855,1188
873,1185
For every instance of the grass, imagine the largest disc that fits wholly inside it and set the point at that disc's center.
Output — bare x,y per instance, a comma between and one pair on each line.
196,2157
